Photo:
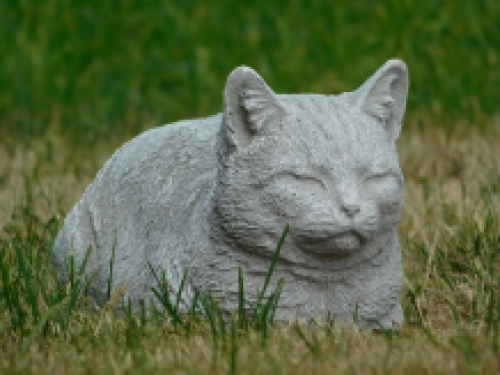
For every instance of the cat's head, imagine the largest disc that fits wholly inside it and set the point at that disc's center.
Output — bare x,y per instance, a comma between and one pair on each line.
328,165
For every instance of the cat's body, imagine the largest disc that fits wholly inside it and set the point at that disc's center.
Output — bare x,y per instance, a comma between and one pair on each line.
215,194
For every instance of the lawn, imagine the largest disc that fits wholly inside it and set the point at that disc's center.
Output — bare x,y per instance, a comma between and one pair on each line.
77,79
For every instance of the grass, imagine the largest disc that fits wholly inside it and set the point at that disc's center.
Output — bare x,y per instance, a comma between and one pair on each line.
79,78
93,70
451,241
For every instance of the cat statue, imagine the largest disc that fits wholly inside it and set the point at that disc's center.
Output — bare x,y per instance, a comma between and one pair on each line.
214,194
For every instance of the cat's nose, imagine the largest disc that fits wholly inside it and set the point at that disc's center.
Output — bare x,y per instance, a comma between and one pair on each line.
350,209
349,199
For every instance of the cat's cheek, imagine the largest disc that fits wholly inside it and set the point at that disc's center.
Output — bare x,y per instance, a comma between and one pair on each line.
389,205
280,204
393,207
388,196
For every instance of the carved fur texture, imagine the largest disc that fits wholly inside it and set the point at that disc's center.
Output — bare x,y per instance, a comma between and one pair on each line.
214,194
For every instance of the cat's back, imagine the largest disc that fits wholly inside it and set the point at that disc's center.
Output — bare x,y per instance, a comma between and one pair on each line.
146,192
174,146
160,160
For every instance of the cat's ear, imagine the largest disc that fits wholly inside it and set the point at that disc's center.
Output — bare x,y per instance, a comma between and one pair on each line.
383,96
249,106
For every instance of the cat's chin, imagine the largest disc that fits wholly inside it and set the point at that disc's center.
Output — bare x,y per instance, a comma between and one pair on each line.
340,245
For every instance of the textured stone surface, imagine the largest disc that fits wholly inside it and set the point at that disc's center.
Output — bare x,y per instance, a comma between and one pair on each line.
210,195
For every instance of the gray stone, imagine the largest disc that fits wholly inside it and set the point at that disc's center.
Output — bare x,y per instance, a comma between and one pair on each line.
213,194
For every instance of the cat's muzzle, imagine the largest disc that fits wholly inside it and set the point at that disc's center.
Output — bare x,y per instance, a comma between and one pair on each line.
340,244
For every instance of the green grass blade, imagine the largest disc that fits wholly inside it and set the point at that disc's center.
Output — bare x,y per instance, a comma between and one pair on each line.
260,294
275,300
38,328
27,283
110,279
162,293
212,312
242,315
234,345
179,292
75,283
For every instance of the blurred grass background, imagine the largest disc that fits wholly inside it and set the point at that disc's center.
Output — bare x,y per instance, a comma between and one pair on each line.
90,70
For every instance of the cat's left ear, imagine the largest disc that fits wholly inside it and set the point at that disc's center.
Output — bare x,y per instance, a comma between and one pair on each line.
249,107
383,96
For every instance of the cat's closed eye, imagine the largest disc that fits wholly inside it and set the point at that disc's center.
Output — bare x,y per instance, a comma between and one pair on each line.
300,182
387,178
288,193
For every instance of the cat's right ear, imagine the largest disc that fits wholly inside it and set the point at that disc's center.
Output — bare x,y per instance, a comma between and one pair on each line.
249,106
383,96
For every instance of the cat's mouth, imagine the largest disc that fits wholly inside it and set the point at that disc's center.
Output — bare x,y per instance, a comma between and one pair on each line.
340,244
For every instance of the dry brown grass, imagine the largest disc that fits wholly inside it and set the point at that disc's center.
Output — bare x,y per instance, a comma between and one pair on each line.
453,189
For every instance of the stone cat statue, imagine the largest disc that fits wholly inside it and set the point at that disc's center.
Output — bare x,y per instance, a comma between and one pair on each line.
214,194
